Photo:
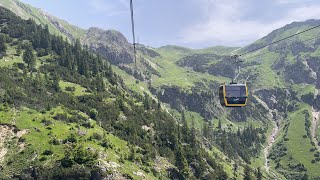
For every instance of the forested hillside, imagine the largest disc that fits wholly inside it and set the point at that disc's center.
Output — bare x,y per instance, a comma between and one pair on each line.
68,93
65,113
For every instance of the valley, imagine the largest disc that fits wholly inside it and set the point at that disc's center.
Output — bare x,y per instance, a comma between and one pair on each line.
161,119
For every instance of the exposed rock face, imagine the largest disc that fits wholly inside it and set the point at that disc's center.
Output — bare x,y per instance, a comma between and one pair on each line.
202,102
147,51
58,25
110,44
300,72
282,100
208,105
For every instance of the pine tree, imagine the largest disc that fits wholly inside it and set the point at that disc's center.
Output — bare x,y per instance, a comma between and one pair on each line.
28,57
181,162
100,83
259,174
146,101
235,169
3,47
185,128
18,50
247,173
205,130
55,82
45,38
193,140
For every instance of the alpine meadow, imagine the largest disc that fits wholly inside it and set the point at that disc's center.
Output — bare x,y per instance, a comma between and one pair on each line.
83,104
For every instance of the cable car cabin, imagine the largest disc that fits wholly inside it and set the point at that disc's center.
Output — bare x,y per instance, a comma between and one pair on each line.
233,95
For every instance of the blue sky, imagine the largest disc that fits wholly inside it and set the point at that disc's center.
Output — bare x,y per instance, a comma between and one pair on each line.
191,23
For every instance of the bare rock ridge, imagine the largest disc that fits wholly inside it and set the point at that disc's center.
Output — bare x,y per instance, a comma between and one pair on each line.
109,43
58,25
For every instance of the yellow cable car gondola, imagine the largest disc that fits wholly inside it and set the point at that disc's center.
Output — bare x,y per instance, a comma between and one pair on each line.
233,95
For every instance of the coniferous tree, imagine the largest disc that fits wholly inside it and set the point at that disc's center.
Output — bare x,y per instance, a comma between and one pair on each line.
28,57
247,173
235,169
45,38
18,50
146,101
205,130
181,162
3,47
100,83
193,141
55,82
185,129
259,174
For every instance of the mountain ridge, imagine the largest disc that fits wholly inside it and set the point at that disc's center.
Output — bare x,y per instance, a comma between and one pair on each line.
282,80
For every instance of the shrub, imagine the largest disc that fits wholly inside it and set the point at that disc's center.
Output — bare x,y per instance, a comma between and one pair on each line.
96,136
71,89
47,152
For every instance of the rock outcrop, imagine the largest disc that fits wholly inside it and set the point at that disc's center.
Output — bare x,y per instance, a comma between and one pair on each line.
111,44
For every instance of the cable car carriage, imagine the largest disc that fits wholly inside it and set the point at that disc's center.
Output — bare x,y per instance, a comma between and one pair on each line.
233,94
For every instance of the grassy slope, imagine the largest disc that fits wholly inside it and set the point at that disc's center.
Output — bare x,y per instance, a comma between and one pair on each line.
298,146
26,11
37,139
175,75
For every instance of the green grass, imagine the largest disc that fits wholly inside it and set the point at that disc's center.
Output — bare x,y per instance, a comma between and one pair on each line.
303,89
220,50
298,146
172,74
37,140
197,119
79,90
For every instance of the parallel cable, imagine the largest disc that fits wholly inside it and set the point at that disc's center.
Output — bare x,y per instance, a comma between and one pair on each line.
133,35
278,40
318,36
286,47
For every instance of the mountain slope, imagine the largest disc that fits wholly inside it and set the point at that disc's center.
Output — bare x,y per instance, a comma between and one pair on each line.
56,26
64,113
282,79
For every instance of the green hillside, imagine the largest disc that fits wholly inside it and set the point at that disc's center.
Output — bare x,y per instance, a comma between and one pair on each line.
65,113
178,85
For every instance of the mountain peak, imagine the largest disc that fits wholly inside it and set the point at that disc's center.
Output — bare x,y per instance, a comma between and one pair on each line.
110,43
106,35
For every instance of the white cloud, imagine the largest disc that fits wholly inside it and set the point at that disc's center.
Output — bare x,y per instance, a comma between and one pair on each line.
109,8
291,1
226,23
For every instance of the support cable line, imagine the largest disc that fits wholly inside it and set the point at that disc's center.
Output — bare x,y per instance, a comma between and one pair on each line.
133,35
275,42
286,47
236,94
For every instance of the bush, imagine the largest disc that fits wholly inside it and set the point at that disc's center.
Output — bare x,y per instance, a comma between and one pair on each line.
304,136
43,158
47,152
105,143
72,139
84,156
54,141
96,136
46,122
93,113
41,52
61,117
71,89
